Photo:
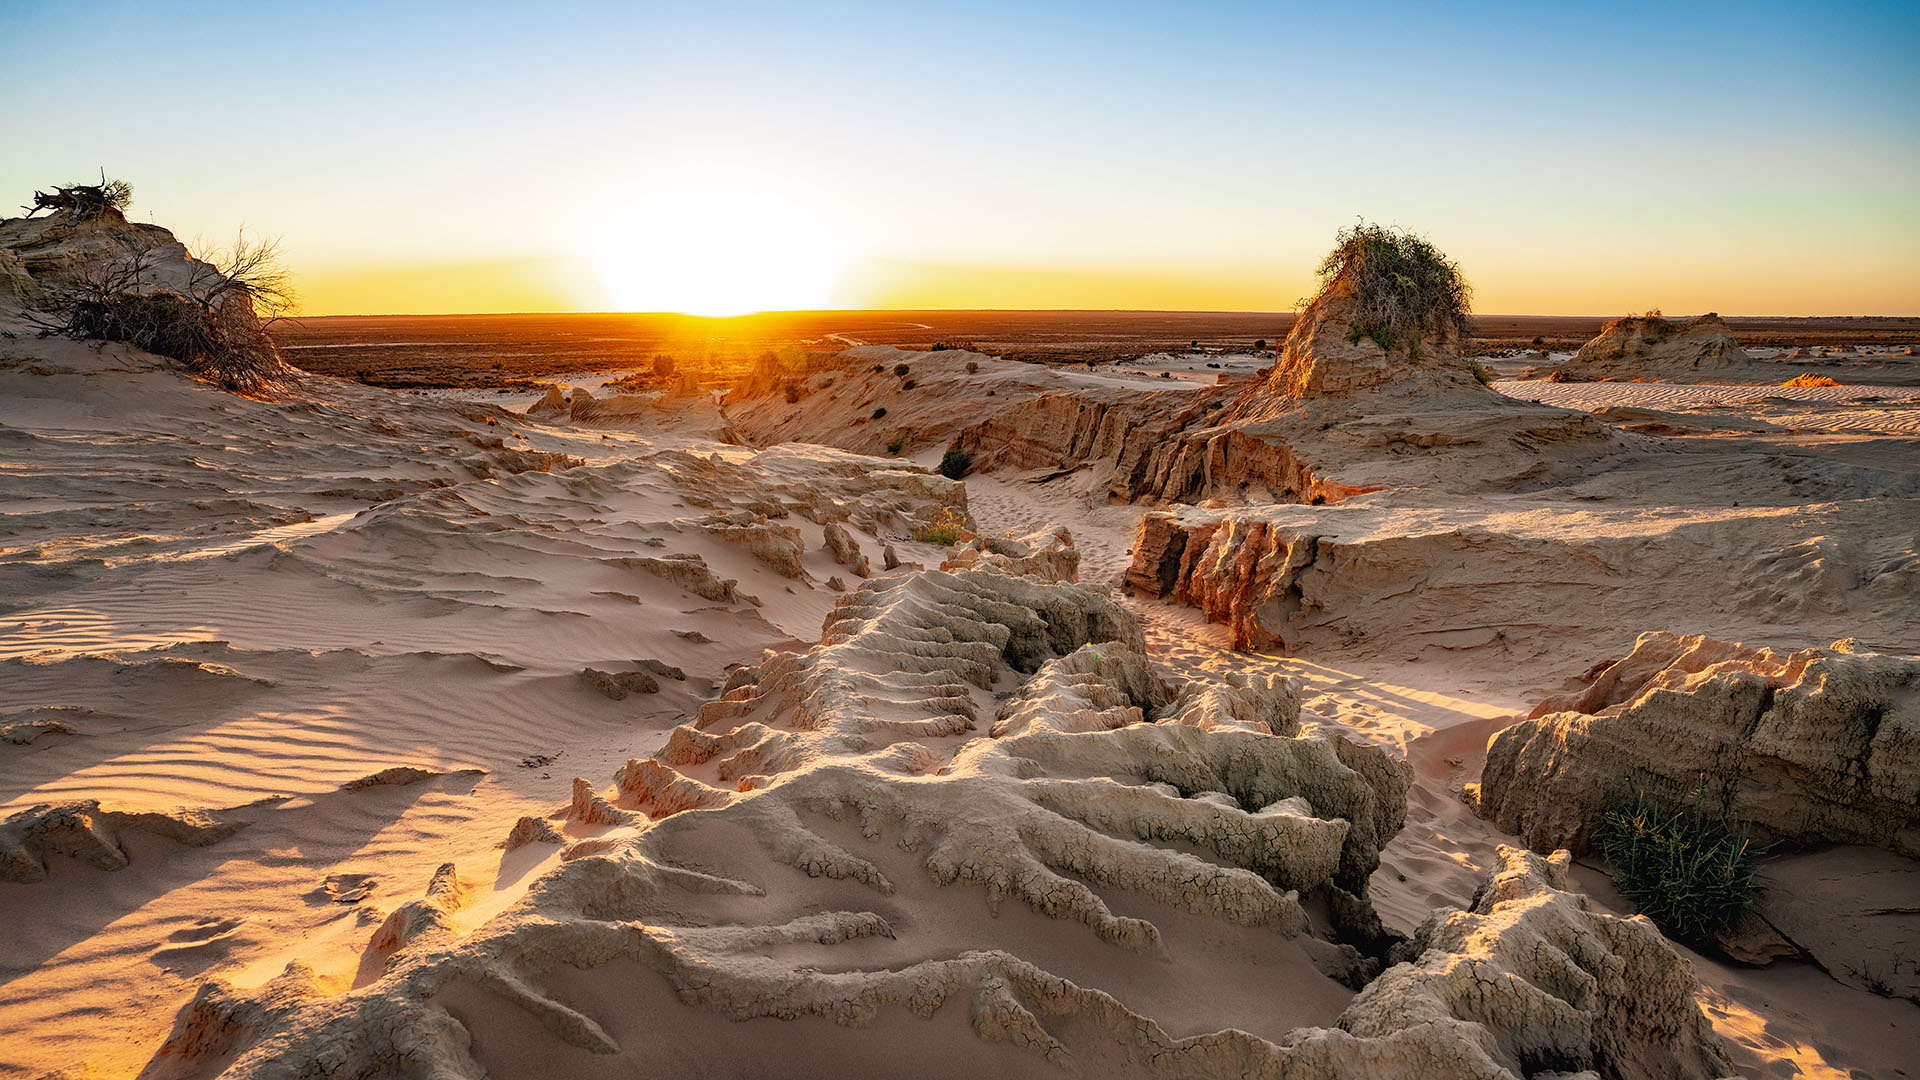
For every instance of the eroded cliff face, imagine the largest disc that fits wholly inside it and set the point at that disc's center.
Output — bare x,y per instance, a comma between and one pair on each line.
1534,582
1810,746
1156,447
1336,416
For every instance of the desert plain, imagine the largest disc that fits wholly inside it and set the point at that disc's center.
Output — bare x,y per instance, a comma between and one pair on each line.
945,694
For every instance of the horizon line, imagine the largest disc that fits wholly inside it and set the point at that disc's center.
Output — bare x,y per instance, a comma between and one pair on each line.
1030,311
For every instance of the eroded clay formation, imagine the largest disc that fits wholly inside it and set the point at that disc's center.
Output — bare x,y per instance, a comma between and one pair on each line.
1810,746
856,809
1650,348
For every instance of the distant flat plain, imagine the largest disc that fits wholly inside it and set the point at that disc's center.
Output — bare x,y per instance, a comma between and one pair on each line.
511,349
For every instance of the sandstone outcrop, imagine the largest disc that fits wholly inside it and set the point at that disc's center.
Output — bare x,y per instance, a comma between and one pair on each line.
136,278
1812,746
1651,348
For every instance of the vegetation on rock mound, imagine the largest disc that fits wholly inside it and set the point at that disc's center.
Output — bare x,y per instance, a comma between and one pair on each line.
1404,288
1691,872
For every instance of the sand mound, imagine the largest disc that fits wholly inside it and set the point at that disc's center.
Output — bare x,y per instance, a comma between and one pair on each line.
1817,745
1651,348
103,277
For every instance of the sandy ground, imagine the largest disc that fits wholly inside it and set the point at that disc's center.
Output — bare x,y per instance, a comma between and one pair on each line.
249,607
1785,1021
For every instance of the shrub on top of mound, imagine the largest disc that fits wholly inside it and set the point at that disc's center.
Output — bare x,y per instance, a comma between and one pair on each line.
1404,289
93,275
1390,306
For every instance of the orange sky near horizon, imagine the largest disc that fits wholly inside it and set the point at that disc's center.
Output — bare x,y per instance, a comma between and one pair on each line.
571,284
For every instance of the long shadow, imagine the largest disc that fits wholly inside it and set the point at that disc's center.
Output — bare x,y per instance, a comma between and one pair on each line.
35,926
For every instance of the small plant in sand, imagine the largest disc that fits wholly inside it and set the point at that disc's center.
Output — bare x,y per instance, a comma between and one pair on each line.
1690,871
662,366
1481,372
896,444
973,367
948,528
879,412
908,385
1404,287
901,370
954,464
793,393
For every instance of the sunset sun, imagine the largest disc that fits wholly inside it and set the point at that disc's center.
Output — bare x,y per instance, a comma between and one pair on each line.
716,249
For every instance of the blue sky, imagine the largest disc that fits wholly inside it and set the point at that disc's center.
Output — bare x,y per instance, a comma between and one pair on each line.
1750,158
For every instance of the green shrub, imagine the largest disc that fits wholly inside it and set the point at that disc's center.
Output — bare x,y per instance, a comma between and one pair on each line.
954,463
940,346
896,444
1259,343
1481,373
1404,287
1689,870
900,369
879,412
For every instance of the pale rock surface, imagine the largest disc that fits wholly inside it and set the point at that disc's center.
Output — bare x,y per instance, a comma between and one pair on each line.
1813,746
1046,552
1530,980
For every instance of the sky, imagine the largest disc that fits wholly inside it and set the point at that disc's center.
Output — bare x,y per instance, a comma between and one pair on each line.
717,157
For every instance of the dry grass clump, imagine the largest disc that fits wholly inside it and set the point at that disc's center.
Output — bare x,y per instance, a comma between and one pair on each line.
1810,379
1404,287
947,528
1690,872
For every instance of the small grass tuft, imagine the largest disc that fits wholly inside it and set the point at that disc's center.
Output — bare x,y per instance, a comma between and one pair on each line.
1689,870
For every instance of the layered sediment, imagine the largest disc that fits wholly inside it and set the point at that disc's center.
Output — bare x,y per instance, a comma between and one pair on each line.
1810,746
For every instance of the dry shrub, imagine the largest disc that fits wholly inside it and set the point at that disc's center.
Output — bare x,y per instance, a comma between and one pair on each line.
1810,379
214,326
1404,287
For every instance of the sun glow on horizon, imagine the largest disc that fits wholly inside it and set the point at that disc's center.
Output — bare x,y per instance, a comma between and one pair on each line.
717,248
